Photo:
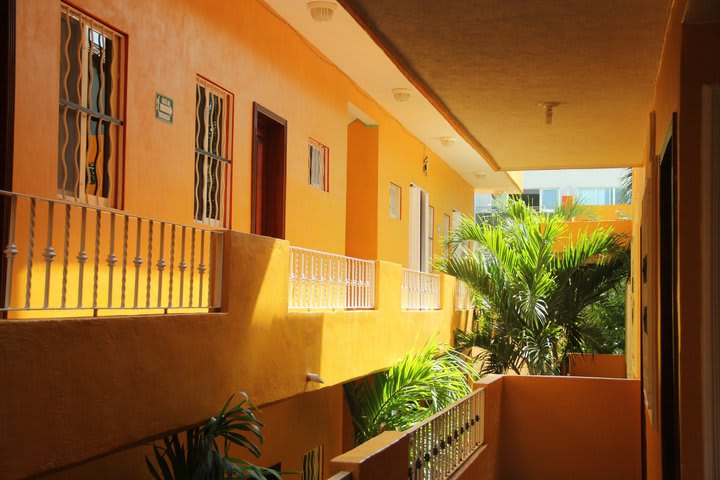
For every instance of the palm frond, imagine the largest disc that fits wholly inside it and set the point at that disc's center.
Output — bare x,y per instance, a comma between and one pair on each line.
414,388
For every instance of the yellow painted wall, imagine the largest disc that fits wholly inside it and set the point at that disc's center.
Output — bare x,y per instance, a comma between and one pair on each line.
109,383
256,56
291,428
401,162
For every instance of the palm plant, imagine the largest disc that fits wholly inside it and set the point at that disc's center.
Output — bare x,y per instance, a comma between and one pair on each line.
531,299
626,189
413,389
202,458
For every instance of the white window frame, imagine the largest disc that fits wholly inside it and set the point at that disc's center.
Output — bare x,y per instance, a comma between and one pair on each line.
395,201
613,194
542,206
318,165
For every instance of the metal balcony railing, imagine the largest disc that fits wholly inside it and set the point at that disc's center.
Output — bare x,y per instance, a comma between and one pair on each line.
441,444
62,255
420,290
320,280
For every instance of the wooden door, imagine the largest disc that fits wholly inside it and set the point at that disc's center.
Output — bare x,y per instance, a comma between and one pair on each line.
268,173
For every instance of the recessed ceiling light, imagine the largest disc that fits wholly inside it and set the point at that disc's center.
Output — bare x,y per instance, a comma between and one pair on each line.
322,11
402,94
447,141
480,174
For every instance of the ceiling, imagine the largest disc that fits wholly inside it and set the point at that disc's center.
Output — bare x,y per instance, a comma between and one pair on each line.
486,64
346,44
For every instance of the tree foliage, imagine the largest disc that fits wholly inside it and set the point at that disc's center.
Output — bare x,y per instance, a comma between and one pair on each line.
201,457
533,301
413,389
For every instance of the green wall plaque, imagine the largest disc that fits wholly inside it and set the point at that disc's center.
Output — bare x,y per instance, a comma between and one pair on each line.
164,108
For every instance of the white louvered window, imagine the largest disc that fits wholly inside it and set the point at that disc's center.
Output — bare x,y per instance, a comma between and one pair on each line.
395,201
213,141
92,98
318,165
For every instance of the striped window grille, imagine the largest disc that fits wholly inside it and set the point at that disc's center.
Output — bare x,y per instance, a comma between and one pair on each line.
395,201
213,141
318,164
92,97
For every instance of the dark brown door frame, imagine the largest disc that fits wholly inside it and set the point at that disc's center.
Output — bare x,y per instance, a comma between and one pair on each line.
668,223
259,110
7,126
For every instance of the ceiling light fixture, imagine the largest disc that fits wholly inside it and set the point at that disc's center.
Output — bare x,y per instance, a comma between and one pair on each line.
447,141
401,94
480,174
322,11
548,106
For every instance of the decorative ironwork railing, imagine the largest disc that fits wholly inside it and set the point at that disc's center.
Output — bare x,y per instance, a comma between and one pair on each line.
420,290
441,444
62,255
320,280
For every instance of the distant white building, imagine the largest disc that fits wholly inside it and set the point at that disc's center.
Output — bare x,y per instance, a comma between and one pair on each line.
545,189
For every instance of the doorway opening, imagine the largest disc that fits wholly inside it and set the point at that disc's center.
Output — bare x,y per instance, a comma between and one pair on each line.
669,414
269,164
420,253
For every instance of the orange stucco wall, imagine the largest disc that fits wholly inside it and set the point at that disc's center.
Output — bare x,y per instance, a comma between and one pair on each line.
361,238
598,365
686,65
570,427
256,56
535,428
109,383
291,428
699,66
575,229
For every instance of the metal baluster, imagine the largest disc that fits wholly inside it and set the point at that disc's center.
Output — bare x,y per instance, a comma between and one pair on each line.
192,267
201,267
123,284
97,261
172,266
28,279
111,260
138,261
149,264
161,263
304,286
183,266
82,255
66,255
10,251
49,253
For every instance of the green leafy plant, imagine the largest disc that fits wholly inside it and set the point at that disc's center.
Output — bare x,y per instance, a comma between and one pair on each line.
205,453
626,189
532,300
413,389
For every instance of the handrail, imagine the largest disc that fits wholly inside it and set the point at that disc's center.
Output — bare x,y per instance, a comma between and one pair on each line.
440,445
321,280
111,249
420,290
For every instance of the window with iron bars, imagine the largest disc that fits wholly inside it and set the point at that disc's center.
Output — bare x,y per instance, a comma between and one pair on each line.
318,165
213,143
92,96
